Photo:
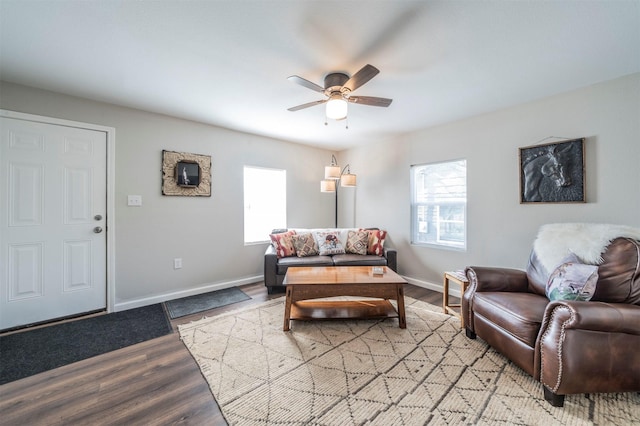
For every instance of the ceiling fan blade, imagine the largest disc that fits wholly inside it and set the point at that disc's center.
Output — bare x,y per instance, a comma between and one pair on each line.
365,74
307,105
306,83
370,100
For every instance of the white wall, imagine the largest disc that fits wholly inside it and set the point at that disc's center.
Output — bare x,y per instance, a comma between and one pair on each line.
207,233
500,229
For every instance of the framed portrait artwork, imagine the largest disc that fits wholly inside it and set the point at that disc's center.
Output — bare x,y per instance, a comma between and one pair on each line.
186,174
552,172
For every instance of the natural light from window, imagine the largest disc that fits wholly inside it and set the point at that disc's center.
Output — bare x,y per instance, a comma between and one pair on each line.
265,202
439,204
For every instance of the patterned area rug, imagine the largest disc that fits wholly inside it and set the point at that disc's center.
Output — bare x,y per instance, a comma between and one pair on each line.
373,372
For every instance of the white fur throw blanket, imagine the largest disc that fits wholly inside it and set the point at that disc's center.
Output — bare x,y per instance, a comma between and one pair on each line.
586,240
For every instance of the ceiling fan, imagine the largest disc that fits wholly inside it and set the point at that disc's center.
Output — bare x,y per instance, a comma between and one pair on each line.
337,89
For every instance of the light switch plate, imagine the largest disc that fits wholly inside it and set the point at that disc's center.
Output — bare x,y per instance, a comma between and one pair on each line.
134,200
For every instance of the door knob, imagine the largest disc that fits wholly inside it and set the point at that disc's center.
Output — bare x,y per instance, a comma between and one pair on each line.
97,230
98,217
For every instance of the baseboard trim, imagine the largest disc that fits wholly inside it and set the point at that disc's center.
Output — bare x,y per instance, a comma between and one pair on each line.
431,286
138,303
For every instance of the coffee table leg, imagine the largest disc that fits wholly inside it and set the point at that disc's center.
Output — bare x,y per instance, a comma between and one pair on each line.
402,319
287,309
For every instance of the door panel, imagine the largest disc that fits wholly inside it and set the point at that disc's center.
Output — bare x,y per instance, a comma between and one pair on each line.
25,271
53,192
77,196
77,265
26,194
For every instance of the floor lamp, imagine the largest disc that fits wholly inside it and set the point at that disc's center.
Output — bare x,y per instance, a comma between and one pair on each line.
333,175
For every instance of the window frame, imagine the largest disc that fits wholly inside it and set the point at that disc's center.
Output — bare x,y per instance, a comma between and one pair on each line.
416,205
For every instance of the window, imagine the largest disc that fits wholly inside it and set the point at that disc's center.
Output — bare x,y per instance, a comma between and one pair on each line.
265,202
439,204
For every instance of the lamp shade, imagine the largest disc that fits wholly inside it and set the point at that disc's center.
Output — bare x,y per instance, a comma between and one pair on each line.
328,185
332,172
348,180
336,107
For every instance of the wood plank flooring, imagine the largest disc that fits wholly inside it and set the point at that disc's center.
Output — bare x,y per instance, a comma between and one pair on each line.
152,383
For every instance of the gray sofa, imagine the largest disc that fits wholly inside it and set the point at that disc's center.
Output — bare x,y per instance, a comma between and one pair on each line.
275,268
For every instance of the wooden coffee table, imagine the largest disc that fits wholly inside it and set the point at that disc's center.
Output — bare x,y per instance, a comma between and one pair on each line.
304,284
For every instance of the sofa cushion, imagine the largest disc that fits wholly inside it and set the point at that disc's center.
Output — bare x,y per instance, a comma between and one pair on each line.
305,245
376,242
284,263
357,242
283,243
328,243
358,260
519,314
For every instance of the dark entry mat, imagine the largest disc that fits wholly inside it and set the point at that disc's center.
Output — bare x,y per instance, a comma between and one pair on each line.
202,302
31,352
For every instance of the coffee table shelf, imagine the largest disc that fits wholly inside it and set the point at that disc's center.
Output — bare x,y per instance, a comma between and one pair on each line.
342,309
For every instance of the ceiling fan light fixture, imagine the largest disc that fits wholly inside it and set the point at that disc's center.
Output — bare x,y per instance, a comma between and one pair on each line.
336,107
337,90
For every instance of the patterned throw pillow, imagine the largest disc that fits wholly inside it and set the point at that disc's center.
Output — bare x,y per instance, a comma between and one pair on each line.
357,242
572,280
283,243
328,243
305,245
376,242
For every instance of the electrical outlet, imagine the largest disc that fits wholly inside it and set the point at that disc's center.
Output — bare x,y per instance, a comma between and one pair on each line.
134,200
177,263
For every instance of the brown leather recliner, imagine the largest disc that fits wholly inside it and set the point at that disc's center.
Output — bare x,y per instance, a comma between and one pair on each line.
570,346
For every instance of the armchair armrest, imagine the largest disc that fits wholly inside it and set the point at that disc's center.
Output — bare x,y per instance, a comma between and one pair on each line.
586,347
594,316
497,279
489,279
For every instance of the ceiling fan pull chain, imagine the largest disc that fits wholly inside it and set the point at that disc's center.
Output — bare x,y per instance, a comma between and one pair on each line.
346,126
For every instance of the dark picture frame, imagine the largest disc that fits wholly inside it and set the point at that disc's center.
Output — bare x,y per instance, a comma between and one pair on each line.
553,172
197,168
187,174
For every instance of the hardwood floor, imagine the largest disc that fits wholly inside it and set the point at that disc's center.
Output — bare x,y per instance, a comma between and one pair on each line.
152,383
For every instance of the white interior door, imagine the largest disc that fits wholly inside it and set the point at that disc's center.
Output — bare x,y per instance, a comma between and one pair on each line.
52,221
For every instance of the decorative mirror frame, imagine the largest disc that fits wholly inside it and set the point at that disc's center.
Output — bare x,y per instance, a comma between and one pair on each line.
171,175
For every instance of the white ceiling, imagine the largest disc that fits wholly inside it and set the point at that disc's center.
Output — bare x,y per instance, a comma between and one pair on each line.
226,62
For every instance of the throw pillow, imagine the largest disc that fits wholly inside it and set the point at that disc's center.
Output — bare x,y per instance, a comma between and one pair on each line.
572,281
376,242
305,245
328,243
283,243
357,242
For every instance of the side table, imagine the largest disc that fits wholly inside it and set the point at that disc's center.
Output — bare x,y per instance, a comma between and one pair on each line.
459,278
